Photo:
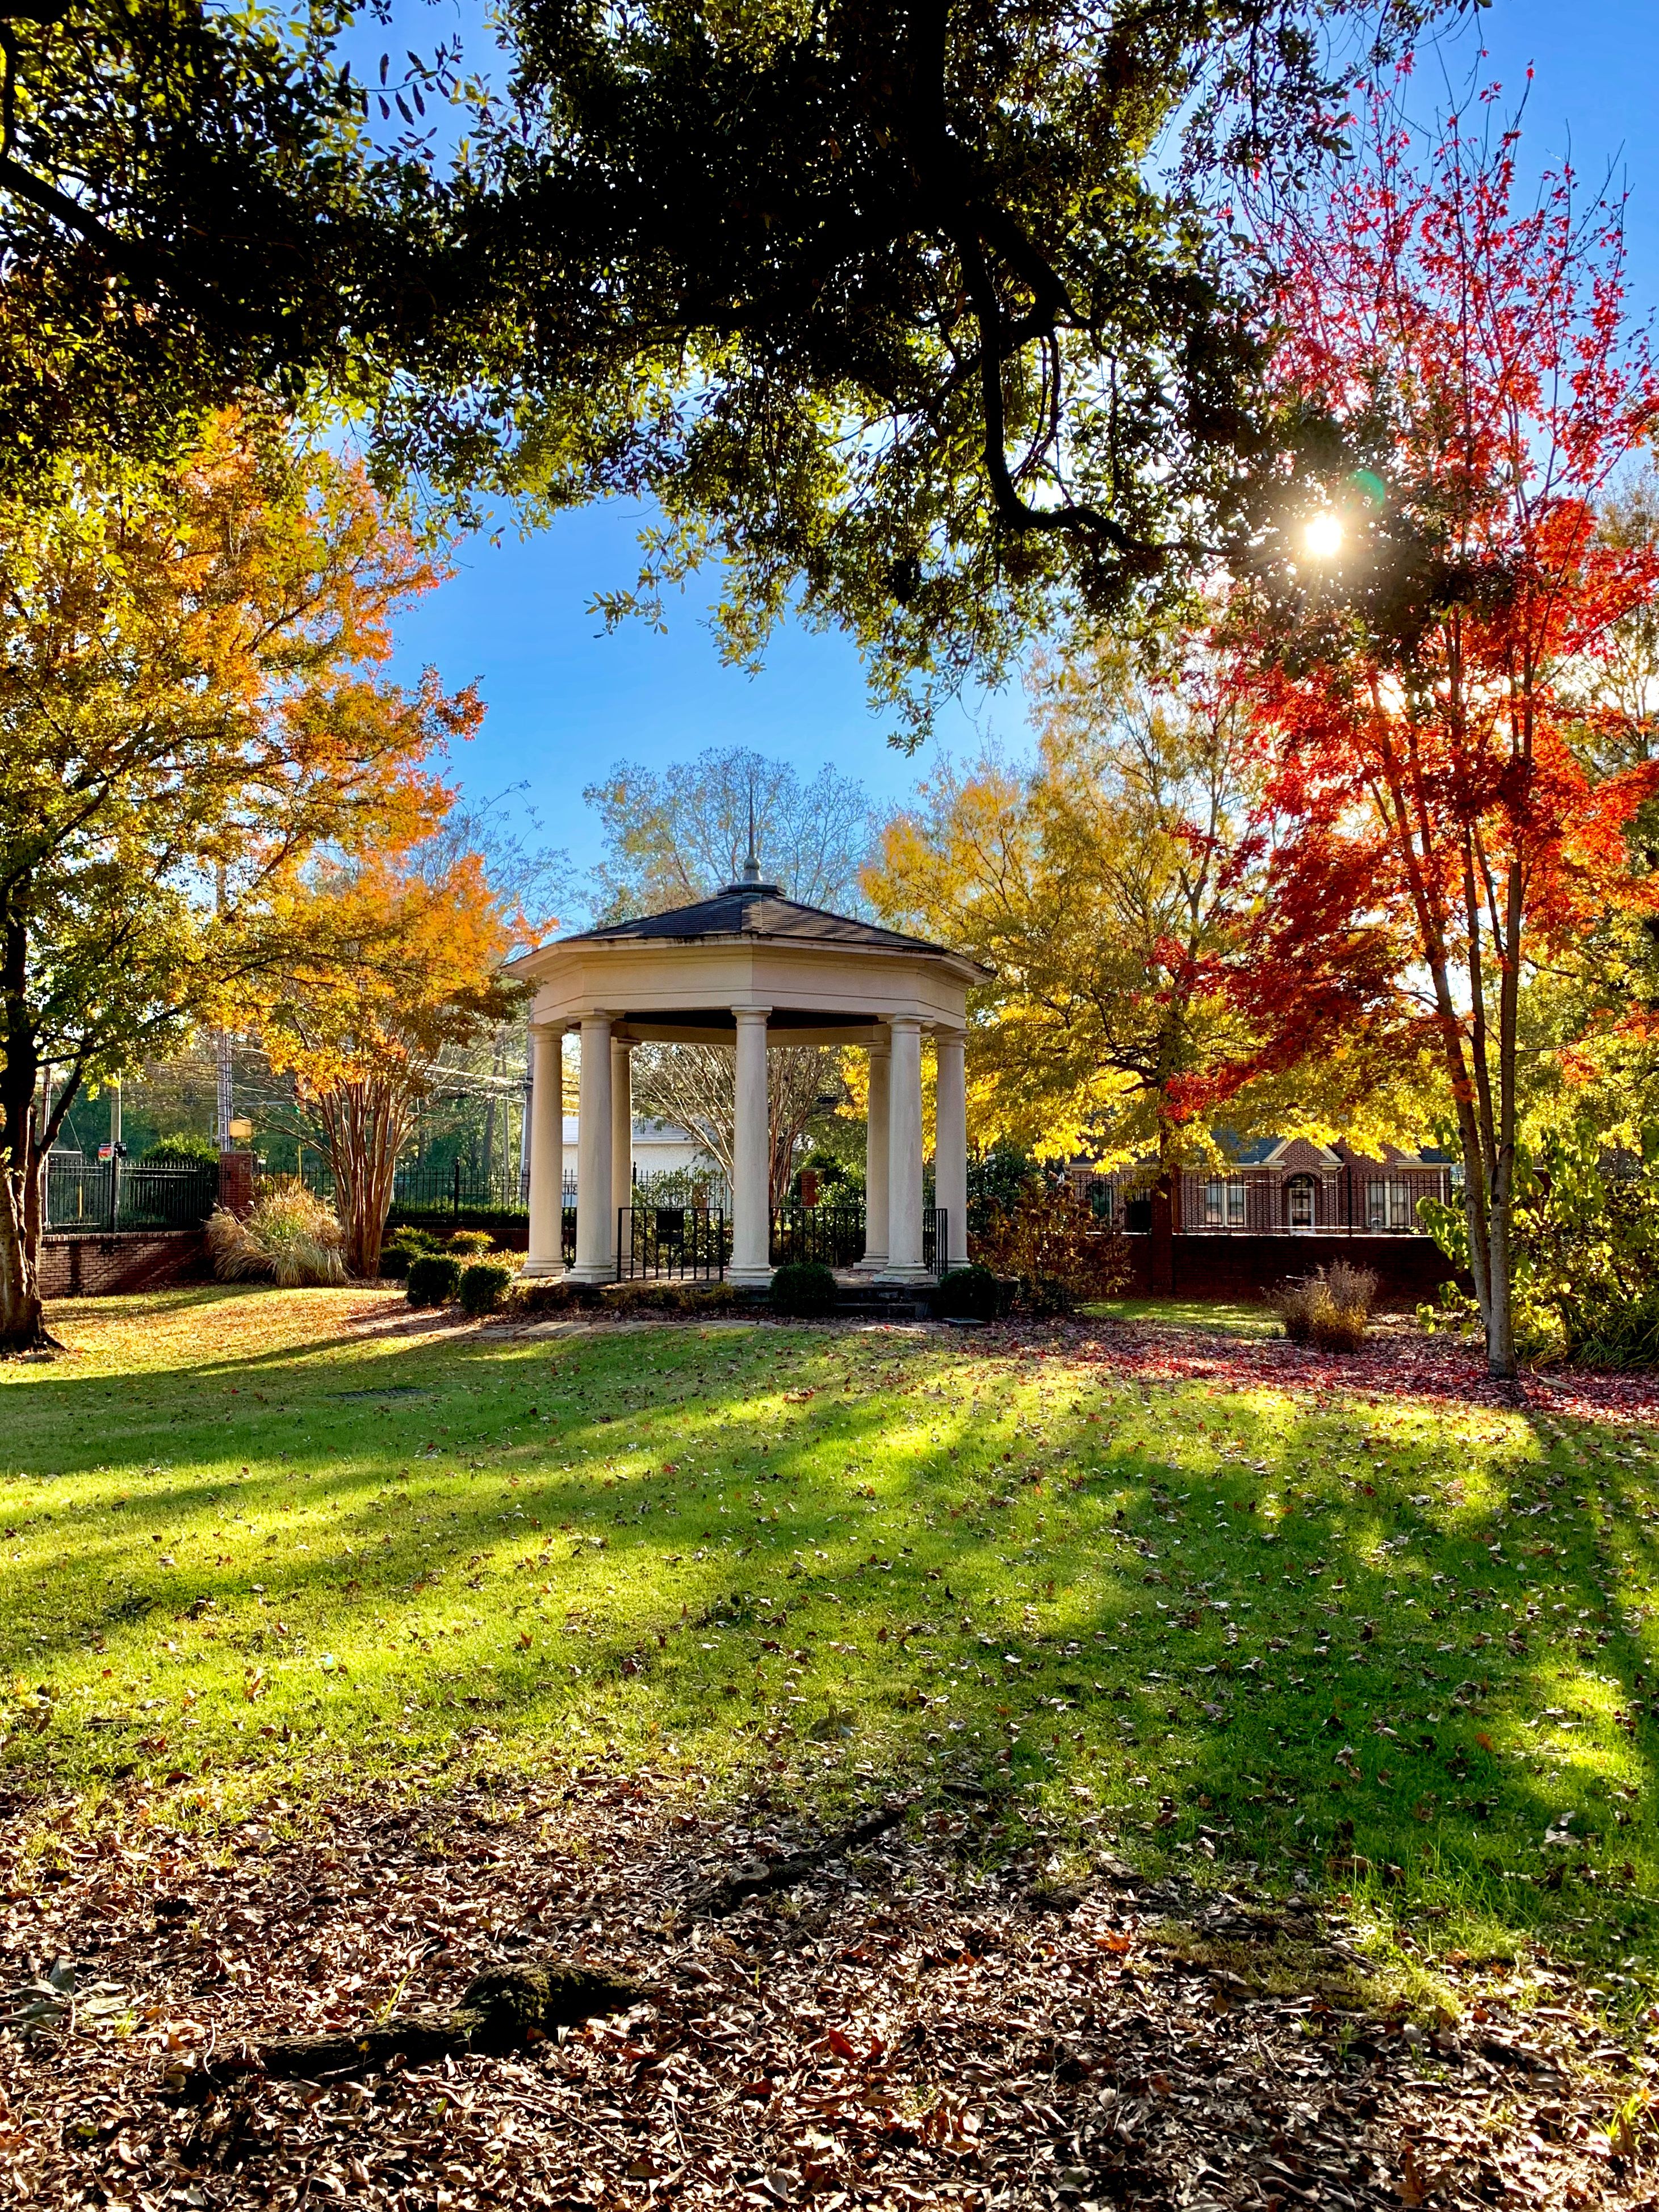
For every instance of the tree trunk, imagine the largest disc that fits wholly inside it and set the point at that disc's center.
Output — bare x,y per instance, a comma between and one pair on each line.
365,1124
23,1317
23,1150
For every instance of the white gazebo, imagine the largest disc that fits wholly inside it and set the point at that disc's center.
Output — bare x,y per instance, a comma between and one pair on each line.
748,968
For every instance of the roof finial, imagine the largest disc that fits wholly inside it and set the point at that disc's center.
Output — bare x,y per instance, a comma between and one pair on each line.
751,873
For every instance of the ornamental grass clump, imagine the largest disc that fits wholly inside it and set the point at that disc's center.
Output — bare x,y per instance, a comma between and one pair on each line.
287,1237
1331,1309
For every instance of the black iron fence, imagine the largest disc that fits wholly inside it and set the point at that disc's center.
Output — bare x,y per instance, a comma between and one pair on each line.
1349,1200
691,1243
105,1195
831,1234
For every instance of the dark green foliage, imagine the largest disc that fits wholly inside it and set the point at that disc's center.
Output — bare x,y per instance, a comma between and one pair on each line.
190,213
185,1147
483,1286
973,1293
804,1289
433,1279
403,1246
996,1180
1586,1244
692,251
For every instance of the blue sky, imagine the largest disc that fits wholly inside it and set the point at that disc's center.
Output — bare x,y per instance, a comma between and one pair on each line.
565,700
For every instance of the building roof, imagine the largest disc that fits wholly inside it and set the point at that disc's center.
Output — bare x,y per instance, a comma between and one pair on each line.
755,909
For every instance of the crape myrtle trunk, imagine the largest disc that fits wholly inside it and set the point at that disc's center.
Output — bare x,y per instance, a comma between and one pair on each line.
23,1147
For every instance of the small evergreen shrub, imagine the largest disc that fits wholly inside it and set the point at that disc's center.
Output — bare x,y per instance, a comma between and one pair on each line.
470,1242
433,1279
483,1286
403,1246
973,1293
804,1290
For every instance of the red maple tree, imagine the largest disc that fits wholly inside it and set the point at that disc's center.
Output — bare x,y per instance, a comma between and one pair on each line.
1462,382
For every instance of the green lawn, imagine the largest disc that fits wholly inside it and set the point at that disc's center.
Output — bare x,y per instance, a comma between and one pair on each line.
1221,1316
1378,1644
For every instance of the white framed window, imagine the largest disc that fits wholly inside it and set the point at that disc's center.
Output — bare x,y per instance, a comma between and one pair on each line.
1223,1203
1301,1202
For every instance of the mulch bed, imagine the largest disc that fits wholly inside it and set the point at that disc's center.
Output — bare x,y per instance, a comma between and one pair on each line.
919,2023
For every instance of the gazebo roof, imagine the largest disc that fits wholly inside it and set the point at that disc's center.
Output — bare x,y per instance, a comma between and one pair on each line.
748,911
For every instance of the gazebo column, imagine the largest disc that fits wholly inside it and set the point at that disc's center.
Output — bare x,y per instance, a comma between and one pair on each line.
622,1139
546,1255
596,1259
751,1155
951,1140
875,1159
904,1154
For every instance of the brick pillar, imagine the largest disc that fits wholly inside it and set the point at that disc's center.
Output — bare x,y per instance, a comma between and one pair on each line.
236,1181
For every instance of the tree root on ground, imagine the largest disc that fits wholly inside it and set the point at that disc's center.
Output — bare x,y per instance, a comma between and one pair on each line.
507,2009
760,1877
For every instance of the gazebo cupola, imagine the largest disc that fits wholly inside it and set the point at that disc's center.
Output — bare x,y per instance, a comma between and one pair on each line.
748,968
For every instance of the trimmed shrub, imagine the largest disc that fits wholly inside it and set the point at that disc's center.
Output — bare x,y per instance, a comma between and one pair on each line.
288,1237
483,1286
804,1289
470,1242
185,1149
403,1246
973,1293
1330,1308
433,1279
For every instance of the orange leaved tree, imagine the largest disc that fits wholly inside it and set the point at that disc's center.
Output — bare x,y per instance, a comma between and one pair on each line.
1465,385
402,960
189,710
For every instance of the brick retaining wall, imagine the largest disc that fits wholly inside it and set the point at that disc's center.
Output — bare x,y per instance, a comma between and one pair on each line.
1408,1269
131,1260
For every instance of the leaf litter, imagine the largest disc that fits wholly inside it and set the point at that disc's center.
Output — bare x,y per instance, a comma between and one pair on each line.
917,2021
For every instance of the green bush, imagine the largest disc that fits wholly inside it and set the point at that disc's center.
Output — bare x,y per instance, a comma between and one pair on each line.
469,1242
403,1246
186,1145
973,1293
433,1279
485,1284
804,1289
1586,1250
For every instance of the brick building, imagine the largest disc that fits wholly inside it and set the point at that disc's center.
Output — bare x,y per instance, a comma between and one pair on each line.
1282,1186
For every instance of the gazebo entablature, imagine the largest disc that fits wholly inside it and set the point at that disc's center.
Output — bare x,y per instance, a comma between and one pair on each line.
746,969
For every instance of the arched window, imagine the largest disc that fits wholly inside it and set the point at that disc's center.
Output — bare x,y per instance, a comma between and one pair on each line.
1302,1201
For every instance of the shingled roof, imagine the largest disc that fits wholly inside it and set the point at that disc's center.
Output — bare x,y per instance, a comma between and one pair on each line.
754,910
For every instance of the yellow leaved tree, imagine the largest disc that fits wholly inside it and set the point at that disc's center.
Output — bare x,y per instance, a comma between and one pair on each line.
401,961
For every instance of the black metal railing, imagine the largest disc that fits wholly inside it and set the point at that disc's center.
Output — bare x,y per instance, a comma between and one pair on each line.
104,1195
568,1235
831,1234
457,1187
936,1240
691,1243
1347,1201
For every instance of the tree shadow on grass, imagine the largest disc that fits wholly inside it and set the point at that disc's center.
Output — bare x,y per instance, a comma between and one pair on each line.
1161,1616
